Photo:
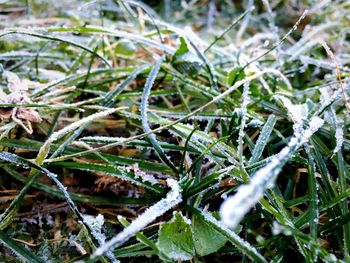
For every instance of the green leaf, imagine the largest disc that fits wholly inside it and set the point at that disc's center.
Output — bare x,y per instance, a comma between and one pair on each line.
206,239
235,75
175,238
183,49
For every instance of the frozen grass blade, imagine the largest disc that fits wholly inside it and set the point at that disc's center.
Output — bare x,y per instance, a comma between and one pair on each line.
54,38
45,149
262,140
108,100
144,118
235,22
173,198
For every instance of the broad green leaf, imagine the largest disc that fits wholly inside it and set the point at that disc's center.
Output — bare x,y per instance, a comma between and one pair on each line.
175,238
206,239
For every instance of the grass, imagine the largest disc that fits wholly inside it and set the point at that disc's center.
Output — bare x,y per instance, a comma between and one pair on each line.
170,131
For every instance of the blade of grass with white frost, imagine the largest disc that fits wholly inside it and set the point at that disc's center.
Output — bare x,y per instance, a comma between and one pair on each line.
243,111
262,140
118,33
54,38
235,207
108,100
173,198
235,22
144,118
112,170
73,79
45,149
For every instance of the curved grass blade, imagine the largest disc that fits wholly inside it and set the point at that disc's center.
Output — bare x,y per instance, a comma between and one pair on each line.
54,38
111,170
144,118
117,33
82,198
217,38
108,100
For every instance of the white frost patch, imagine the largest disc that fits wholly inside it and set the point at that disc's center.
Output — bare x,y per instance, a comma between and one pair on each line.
235,207
297,112
141,174
325,97
255,123
153,212
96,224
276,228
339,137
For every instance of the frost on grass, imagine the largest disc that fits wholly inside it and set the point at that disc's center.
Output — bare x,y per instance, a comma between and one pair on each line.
96,225
235,207
141,174
44,150
297,113
339,137
245,102
173,198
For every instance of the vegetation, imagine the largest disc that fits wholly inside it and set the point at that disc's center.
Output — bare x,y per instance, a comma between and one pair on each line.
170,131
